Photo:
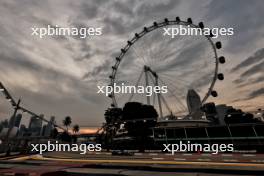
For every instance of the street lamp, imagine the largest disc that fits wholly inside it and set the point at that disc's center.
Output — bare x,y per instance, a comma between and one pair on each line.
16,105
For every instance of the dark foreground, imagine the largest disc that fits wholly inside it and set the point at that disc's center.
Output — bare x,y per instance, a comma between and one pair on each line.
154,164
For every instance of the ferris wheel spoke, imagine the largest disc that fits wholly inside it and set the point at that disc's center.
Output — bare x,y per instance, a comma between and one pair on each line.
148,51
178,81
166,104
159,96
139,78
176,87
156,57
170,76
164,50
178,51
177,98
139,56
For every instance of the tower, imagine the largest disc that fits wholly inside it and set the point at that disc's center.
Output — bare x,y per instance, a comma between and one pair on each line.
194,104
35,126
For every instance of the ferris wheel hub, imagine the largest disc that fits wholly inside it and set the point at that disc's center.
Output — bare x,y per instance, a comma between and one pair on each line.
148,69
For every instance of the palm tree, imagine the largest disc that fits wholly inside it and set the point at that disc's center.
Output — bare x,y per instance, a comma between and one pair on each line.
76,128
67,122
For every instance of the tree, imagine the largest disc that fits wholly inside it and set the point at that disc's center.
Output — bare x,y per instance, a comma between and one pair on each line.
64,136
112,118
54,133
113,115
67,122
141,119
238,116
76,128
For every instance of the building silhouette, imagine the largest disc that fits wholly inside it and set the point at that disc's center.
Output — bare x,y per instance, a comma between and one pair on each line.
194,104
22,130
49,127
221,111
35,126
15,121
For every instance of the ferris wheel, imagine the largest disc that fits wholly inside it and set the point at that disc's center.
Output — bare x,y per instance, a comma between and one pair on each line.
182,63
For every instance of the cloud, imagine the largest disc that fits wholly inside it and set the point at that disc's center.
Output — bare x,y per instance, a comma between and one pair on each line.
256,93
244,16
251,68
256,57
58,75
124,8
258,68
155,8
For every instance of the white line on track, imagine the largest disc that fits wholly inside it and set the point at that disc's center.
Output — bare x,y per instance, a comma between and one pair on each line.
187,154
257,161
153,154
251,155
206,154
227,155
157,158
229,160
168,154
179,159
203,159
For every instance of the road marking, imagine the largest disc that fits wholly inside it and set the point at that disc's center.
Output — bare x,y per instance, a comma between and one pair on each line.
155,162
206,154
179,159
248,155
168,154
153,154
229,160
12,157
158,158
227,155
22,158
10,174
203,159
257,161
187,154
153,151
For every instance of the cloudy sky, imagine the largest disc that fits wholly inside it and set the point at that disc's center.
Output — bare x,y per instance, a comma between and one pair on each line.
58,75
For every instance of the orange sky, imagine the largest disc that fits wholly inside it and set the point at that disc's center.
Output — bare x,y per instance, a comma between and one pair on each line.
86,130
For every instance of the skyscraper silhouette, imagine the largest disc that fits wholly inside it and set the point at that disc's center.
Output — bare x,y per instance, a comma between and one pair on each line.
194,103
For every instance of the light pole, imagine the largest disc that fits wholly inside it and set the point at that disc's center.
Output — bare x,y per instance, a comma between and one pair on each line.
16,106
